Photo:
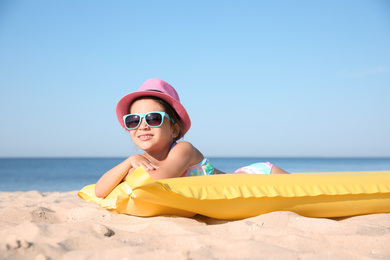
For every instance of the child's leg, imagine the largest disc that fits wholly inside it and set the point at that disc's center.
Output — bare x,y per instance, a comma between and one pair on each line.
277,170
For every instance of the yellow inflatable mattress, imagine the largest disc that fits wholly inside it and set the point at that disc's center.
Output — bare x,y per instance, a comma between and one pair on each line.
238,196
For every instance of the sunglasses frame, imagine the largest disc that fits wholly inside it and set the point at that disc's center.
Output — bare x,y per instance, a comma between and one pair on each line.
143,116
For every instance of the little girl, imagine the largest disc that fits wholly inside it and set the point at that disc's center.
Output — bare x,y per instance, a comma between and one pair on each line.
156,120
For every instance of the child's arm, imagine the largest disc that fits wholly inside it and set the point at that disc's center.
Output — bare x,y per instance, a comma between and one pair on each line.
115,176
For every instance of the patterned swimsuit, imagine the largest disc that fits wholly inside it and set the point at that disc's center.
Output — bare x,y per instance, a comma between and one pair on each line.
206,168
199,169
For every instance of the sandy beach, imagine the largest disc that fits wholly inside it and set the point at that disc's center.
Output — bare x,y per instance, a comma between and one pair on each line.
35,225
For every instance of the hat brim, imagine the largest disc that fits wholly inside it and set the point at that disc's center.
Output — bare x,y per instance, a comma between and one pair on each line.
122,108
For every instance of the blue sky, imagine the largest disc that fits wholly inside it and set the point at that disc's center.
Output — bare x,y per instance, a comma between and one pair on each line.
258,78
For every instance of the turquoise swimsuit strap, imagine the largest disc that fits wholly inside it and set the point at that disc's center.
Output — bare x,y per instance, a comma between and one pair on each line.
173,145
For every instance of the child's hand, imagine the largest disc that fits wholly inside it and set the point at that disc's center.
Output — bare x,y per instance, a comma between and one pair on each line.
137,160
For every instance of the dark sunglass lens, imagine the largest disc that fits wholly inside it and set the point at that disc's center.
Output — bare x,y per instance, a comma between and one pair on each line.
132,121
153,119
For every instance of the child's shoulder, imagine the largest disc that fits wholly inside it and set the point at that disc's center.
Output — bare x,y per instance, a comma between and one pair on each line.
184,145
185,151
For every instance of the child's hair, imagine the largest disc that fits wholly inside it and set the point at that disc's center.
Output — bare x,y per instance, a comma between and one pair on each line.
168,109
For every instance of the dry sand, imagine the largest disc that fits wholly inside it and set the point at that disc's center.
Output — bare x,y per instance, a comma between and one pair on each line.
36,225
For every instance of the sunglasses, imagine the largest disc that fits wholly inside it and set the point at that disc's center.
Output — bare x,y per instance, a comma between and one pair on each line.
152,119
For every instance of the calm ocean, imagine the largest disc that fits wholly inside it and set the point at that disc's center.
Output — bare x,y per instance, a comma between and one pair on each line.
67,174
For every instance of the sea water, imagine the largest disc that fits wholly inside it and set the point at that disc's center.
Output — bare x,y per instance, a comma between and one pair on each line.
68,174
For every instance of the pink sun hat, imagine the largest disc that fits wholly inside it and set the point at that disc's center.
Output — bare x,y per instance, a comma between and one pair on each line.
156,88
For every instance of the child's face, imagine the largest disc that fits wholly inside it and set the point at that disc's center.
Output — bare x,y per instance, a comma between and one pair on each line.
152,139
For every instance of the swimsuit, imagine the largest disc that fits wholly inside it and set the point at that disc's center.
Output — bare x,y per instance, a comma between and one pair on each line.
256,168
199,169
206,168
